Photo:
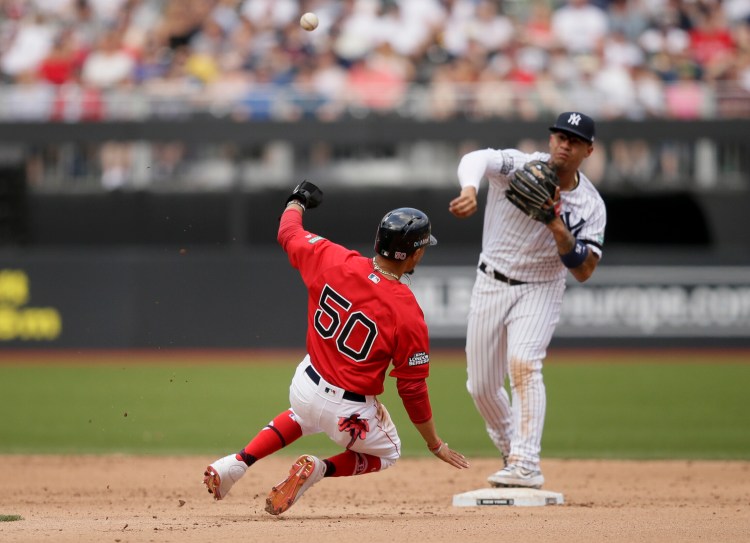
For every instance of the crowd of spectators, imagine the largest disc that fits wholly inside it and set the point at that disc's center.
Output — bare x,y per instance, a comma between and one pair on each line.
436,59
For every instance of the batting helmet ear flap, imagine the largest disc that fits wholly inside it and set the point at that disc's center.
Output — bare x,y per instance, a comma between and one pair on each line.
401,232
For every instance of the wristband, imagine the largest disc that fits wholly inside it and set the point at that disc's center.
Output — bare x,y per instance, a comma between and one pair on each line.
437,448
296,202
576,256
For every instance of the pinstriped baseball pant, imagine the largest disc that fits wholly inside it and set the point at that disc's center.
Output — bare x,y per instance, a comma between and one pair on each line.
509,330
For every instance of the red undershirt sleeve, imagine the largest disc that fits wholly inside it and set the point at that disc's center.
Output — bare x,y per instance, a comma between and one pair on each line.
290,223
416,399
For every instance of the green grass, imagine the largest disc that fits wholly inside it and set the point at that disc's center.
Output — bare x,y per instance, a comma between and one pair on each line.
654,410
650,406
10,518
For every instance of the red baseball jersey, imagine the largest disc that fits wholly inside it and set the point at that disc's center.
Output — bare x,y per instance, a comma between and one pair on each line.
359,322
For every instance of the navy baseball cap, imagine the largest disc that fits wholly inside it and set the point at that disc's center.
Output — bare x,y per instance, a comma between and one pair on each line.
578,124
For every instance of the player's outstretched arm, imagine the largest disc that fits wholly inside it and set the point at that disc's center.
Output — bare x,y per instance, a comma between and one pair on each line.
465,204
438,447
306,195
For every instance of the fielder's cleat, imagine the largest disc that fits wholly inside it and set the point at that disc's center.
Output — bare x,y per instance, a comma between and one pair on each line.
305,472
220,476
516,476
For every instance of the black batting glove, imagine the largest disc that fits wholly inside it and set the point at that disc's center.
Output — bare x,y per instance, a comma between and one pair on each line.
306,193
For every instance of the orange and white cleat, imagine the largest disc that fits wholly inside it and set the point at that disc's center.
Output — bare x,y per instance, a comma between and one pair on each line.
303,474
220,476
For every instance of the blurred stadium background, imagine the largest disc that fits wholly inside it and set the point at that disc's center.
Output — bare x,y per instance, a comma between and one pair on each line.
146,147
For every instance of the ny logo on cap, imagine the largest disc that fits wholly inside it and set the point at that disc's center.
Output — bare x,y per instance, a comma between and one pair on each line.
574,119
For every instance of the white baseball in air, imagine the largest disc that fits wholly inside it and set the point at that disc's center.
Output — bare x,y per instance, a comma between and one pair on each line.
309,21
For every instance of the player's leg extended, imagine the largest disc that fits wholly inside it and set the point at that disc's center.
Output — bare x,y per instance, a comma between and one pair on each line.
291,424
280,432
486,358
531,324
285,428
220,476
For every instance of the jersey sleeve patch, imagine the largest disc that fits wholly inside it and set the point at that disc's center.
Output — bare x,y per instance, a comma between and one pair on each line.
315,239
418,359
508,164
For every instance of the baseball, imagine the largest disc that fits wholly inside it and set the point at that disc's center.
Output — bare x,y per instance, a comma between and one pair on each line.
309,21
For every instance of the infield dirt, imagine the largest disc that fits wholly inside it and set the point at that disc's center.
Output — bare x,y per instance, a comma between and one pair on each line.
162,499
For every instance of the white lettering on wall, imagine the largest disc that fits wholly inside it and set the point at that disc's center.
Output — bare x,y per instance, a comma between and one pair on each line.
616,302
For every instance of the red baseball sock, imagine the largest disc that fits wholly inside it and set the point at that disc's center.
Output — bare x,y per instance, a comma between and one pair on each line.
351,463
279,433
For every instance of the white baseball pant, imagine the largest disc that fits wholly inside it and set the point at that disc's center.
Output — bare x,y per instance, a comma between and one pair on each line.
319,408
509,329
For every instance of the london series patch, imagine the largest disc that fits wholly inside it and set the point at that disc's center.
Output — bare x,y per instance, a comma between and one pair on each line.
417,359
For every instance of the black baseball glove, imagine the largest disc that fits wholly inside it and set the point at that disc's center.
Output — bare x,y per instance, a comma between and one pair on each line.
531,188
308,194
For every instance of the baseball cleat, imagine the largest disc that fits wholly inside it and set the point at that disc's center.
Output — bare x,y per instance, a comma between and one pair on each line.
516,476
305,472
220,476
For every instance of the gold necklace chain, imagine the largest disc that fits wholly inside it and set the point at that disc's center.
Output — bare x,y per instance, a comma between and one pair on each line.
384,272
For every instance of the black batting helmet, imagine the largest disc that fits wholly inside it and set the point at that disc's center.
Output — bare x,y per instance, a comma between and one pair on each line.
401,232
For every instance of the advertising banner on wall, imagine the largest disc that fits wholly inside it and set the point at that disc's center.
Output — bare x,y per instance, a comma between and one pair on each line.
256,300
617,302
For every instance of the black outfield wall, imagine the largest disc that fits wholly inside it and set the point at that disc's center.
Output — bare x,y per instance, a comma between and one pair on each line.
679,219
202,297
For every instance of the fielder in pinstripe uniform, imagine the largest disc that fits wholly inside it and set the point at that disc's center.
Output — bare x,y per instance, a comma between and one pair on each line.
518,292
